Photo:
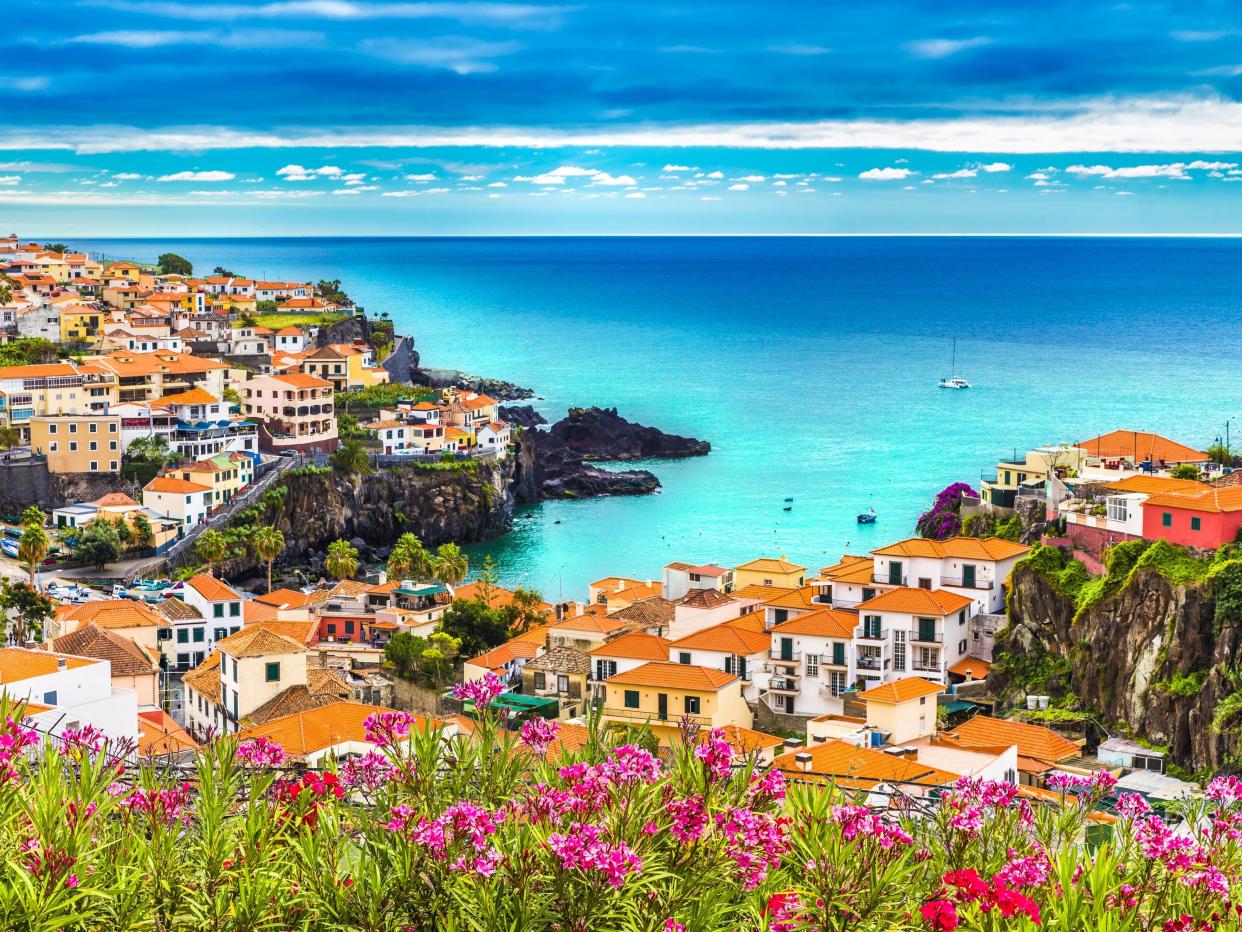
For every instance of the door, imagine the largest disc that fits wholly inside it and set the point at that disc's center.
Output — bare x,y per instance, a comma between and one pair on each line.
968,575
662,713
786,648
894,572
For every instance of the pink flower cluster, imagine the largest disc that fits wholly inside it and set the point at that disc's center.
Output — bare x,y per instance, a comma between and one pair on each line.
584,848
716,754
14,738
480,692
260,752
164,807
463,828
689,818
1099,783
860,822
968,887
1224,791
384,729
88,738
369,772
538,734
769,785
1131,806
754,841
1023,871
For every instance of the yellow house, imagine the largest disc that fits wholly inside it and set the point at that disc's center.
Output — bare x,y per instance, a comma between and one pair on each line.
904,709
769,571
225,475
345,366
78,443
80,322
661,695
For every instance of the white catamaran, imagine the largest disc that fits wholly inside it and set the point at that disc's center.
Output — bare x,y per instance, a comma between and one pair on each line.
951,380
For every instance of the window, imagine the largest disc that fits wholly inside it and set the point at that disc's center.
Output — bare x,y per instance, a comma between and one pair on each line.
899,650
838,653
836,682
871,626
961,617
1166,519
631,698
235,609
779,615
94,465
692,705
183,635
73,428
683,657
199,635
349,627
605,669
94,428
51,428
49,697
331,629
968,575
868,594
220,634
961,646
94,445
52,447
1194,524
217,610
271,672
927,629
894,572
73,446
562,683
812,665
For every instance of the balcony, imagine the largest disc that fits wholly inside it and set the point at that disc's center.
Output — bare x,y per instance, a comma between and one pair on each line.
875,664
789,660
863,635
826,660
784,686
638,716
926,637
961,583
884,579
922,667
828,692
782,668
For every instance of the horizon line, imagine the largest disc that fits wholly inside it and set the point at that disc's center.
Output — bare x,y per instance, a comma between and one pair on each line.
878,235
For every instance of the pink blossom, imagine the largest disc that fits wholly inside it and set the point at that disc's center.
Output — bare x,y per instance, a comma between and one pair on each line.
630,764
689,819
87,738
754,841
71,881
768,785
480,692
1131,805
716,755
672,925
384,729
260,752
940,915
368,772
538,733
1224,791
969,821
585,849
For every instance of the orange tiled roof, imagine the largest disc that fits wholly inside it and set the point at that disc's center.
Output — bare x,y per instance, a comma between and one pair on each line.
124,654
258,641
285,598
17,663
1211,500
903,690
140,364
1035,741
195,396
1141,445
674,676
745,740
635,593
751,621
637,645
705,598
301,380
938,602
499,656
169,484
113,499
318,729
51,370
499,598
772,565
602,624
205,678
801,598
823,622
728,639
254,612
112,613
860,768
850,569
765,593
965,548
159,735
971,668
212,589
1156,485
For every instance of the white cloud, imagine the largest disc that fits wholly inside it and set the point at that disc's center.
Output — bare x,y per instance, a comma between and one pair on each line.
885,174
10,180
300,173
1200,165
1169,170
473,177
341,191
127,176
514,15
635,196
1125,193
960,173
993,167
780,184
354,176
459,54
495,195
498,184
677,168
606,180
427,176
739,187
943,48
198,176
716,176
235,39
709,199
752,179
798,49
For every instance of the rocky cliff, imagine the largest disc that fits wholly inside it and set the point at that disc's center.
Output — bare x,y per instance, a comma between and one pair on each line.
1146,649
602,434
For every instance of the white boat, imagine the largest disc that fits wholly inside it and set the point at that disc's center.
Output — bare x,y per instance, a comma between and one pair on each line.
951,380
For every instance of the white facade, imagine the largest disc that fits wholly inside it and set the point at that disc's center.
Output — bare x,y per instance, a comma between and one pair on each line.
80,694
981,581
808,673
190,507
679,578
891,645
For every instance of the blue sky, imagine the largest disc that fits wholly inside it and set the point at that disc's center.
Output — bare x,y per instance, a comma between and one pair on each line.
327,117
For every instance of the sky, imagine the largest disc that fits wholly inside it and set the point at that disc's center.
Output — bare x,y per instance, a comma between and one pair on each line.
383,117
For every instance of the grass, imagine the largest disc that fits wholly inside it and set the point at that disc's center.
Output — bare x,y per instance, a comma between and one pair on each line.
280,321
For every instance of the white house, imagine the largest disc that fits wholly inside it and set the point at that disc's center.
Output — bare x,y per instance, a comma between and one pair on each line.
975,567
812,662
706,608
626,652
187,502
493,437
679,578
919,631
291,340
732,647
66,691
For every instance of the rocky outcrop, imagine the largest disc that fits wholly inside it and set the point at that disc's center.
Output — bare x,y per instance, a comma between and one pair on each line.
602,434
564,474
523,416
345,331
1155,657
497,388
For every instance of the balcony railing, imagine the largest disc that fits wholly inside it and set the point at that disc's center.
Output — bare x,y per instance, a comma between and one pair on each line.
782,667
863,635
826,660
871,663
926,637
919,667
885,579
792,659
638,715
961,583
783,686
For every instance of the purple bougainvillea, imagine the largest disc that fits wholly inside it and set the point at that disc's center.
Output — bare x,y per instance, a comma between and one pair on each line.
944,519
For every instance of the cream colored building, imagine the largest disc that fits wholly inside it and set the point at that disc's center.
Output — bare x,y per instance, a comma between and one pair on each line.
769,571
904,709
78,443
296,410
661,695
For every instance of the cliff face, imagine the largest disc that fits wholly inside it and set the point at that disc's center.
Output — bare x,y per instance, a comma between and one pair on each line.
1153,656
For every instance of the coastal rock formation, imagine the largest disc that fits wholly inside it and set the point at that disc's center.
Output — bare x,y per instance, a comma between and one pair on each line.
497,388
602,434
564,474
1157,657
523,416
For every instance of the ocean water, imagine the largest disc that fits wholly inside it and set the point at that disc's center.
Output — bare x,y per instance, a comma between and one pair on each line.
809,363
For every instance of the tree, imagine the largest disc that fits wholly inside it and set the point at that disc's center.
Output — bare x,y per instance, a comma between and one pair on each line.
266,307
351,459
221,272
34,544
6,292
330,290
211,547
342,562
144,536
529,609
451,564
31,608
1185,471
409,558
98,545
123,532
1217,452
488,580
268,543
249,320
403,651
231,396
56,247
478,627
439,655
172,264
146,457
9,437
29,351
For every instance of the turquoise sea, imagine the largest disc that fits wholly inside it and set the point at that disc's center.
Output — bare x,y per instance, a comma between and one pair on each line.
809,363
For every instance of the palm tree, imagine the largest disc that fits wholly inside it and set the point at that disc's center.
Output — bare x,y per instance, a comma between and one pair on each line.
351,459
268,543
33,545
529,606
211,547
342,561
409,558
451,565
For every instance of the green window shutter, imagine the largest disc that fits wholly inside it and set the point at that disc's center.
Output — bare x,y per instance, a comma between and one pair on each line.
631,698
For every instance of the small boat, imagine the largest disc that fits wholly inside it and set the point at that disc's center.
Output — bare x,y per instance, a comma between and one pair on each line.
789,499
867,517
951,380
787,508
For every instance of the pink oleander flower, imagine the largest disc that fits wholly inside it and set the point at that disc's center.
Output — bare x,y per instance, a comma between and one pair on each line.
754,841
630,764
689,819
88,738
480,692
968,821
1011,902
538,734
969,886
782,911
940,915
1023,871
1224,791
1131,806
71,881
991,794
368,772
768,785
384,729
260,752
672,925
716,755
583,848
163,807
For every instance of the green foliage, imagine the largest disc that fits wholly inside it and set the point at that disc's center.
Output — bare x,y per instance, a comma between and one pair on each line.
142,532
450,565
1010,529
1186,471
309,470
9,437
348,427
1032,671
231,395
268,316
29,351
478,627
266,307
1056,716
1174,563
1184,684
221,272
331,290
403,651
30,608
1227,588
351,459
409,558
98,545
211,547
146,458
172,264
342,561
383,396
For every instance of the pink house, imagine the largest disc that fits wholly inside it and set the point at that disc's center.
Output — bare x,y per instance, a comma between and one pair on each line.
1204,519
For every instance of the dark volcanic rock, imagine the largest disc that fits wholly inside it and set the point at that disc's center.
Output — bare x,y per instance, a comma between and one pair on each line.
563,474
523,416
602,434
497,388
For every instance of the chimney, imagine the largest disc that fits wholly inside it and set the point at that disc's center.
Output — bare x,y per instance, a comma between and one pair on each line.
62,663
803,761
792,744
